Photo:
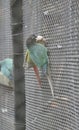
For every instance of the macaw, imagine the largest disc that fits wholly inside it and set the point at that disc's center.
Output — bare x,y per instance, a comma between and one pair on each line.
38,55
6,68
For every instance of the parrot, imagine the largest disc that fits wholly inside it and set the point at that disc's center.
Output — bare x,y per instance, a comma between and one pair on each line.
6,68
38,55
40,39
30,63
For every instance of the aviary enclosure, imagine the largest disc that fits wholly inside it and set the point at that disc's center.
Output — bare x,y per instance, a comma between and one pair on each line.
24,105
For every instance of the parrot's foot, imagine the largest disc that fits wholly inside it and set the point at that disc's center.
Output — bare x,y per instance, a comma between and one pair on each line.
54,103
51,103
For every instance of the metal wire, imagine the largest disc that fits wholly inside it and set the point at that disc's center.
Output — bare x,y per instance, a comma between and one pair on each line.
57,21
7,113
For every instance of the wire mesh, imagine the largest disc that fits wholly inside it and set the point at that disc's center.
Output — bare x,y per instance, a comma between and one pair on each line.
57,21
6,93
5,30
6,108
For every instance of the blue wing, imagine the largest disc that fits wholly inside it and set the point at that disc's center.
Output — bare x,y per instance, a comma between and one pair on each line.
7,67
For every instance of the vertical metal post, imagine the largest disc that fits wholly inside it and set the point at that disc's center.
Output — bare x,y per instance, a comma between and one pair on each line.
17,34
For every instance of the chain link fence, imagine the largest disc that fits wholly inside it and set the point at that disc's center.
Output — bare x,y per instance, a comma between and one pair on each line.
57,21
6,93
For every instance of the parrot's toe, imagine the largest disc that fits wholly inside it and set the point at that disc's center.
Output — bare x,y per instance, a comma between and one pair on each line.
54,103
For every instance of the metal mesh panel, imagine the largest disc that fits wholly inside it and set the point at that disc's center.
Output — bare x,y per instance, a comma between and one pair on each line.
6,93
6,108
57,21
5,30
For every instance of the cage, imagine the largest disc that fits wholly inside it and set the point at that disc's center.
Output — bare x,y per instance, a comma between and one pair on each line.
57,21
25,105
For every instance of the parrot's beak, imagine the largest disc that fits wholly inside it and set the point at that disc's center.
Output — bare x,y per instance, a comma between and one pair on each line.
40,38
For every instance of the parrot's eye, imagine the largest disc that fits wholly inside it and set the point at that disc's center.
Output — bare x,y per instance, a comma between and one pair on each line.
33,36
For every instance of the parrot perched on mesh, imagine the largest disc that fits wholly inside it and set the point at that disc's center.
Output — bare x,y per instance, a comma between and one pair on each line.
6,68
42,40
30,63
37,53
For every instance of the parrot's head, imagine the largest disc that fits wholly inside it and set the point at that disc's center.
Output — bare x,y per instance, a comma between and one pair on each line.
40,39
31,40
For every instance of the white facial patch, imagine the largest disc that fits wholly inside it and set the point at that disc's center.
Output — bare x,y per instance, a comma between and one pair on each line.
39,38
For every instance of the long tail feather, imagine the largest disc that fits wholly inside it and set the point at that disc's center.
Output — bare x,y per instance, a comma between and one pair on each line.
51,87
50,82
37,74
